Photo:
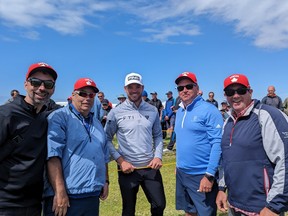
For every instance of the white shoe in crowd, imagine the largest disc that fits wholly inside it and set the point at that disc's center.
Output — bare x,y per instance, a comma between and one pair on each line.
167,150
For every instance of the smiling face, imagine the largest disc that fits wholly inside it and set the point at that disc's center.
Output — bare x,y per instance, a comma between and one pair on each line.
188,95
239,101
134,93
38,96
83,104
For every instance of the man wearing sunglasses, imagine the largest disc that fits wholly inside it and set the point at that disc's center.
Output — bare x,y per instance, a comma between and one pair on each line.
23,143
139,156
254,154
198,136
77,156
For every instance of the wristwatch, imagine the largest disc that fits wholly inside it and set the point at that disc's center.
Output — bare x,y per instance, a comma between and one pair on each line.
210,177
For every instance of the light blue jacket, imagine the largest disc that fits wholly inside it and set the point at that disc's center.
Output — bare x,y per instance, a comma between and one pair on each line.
83,156
198,130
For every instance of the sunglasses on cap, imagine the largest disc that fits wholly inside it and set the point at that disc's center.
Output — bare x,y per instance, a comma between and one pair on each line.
35,82
239,91
85,94
188,87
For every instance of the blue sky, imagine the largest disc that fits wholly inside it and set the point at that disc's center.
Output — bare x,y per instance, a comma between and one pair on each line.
105,40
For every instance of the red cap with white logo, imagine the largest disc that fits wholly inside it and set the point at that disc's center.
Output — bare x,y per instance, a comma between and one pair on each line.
187,75
41,66
85,82
236,79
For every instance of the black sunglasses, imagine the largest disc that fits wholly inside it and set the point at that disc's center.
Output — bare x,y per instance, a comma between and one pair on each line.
240,91
85,94
188,87
48,84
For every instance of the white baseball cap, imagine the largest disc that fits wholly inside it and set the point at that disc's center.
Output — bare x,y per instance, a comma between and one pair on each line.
133,78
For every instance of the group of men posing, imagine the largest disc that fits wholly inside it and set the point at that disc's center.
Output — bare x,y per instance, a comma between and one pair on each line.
247,155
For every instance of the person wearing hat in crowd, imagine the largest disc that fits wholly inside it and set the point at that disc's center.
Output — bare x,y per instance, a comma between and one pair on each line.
156,102
77,156
145,96
198,127
14,93
254,154
106,108
224,110
139,156
121,98
23,143
170,119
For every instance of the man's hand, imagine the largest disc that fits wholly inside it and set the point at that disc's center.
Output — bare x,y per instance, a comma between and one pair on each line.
205,185
105,191
156,163
60,204
221,201
267,212
126,167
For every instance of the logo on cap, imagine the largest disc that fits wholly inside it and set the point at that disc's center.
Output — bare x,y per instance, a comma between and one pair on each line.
134,78
234,79
89,82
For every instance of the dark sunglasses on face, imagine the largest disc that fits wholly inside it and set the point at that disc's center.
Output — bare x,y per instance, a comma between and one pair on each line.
188,87
48,84
231,92
85,94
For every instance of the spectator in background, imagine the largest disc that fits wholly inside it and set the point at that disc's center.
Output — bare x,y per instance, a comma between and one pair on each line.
156,102
285,106
198,127
254,154
77,156
121,98
139,156
272,99
97,108
211,99
224,110
106,109
170,117
200,92
14,93
145,96
172,141
23,143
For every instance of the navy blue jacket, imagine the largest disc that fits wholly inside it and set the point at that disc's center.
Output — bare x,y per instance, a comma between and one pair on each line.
255,159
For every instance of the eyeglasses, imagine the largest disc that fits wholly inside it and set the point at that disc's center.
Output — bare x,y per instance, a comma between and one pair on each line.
48,84
231,92
85,94
188,87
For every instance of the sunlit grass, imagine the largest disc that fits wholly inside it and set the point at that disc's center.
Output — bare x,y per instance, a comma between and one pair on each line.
113,205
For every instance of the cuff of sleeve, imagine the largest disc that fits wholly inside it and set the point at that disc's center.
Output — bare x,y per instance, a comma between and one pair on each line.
272,209
220,188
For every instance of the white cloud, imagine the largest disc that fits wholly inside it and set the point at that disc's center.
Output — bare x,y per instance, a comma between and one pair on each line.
66,17
265,21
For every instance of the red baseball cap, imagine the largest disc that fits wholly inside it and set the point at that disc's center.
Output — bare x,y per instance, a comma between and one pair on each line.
85,82
236,78
41,66
188,75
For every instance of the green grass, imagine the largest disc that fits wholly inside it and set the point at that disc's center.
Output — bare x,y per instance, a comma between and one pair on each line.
112,206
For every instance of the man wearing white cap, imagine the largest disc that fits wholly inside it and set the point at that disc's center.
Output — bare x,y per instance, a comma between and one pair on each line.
77,156
139,156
